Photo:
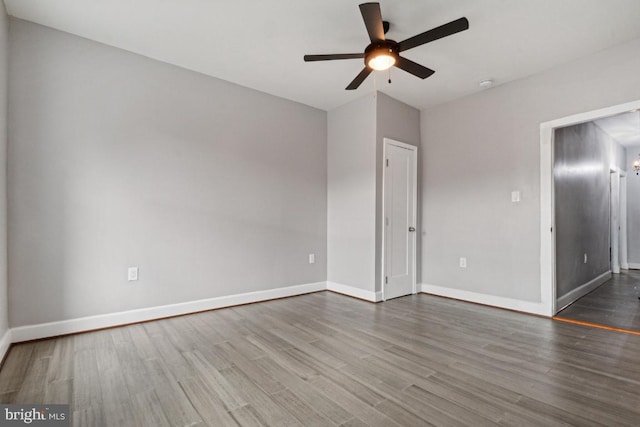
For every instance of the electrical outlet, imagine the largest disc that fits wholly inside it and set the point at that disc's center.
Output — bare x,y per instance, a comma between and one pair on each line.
132,274
515,196
463,262
312,258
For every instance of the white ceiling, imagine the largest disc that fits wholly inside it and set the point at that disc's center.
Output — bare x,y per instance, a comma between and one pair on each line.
624,128
260,44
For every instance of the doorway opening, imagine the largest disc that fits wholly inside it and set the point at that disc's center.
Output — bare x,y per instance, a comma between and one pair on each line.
557,267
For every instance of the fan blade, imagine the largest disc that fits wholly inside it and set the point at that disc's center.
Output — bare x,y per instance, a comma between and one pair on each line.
434,34
413,68
359,78
330,57
373,20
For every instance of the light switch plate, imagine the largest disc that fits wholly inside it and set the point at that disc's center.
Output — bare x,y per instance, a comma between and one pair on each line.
515,196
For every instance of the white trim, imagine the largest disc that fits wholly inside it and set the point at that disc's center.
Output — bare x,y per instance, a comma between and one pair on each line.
389,141
537,308
547,223
634,266
5,343
51,329
589,116
383,222
582,290
352,291
547,242
614,218
624,247
614,168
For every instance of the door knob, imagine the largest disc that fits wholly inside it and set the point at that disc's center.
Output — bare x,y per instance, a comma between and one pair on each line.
412,229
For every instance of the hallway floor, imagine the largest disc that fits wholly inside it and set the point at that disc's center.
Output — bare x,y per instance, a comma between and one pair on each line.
614,304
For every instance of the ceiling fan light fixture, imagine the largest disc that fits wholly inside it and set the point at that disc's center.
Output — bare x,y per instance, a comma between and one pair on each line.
382,55
382,61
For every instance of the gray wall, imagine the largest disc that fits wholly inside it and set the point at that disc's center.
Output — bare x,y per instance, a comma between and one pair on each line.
116,160
582,160
401,122
4,35
477,150
633,209
352,194
355,150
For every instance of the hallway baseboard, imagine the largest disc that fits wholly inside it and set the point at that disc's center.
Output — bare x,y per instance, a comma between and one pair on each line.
581,291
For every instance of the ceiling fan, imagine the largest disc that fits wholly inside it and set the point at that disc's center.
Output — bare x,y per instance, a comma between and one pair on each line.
384,53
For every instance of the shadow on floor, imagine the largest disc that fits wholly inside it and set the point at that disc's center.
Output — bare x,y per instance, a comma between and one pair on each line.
615,303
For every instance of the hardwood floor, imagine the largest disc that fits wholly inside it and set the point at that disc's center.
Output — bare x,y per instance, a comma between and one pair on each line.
324,359
614,304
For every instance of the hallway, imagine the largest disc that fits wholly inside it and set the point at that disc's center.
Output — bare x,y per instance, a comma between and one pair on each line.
613,304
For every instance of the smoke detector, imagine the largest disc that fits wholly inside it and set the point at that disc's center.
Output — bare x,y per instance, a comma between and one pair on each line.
486,84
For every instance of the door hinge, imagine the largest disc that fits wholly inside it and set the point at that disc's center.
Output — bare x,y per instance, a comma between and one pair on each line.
387,162
552,229
386,280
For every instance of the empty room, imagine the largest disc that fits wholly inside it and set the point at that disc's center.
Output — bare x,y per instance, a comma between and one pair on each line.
405,213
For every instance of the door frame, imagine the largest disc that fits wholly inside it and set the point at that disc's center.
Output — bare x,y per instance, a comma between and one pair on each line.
385,143
547,305
624,262
618,230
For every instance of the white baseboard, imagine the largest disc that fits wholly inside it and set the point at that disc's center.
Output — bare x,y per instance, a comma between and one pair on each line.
538,308
44,330
5,343
634,265
581,290
354,292
624,266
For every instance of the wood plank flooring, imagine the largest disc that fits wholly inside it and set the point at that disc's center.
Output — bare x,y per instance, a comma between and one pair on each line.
615,303
328,360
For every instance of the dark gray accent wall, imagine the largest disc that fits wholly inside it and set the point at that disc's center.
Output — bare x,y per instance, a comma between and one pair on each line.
117,160
582,205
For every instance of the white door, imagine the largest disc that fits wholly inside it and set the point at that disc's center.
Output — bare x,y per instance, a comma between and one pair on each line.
399,208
